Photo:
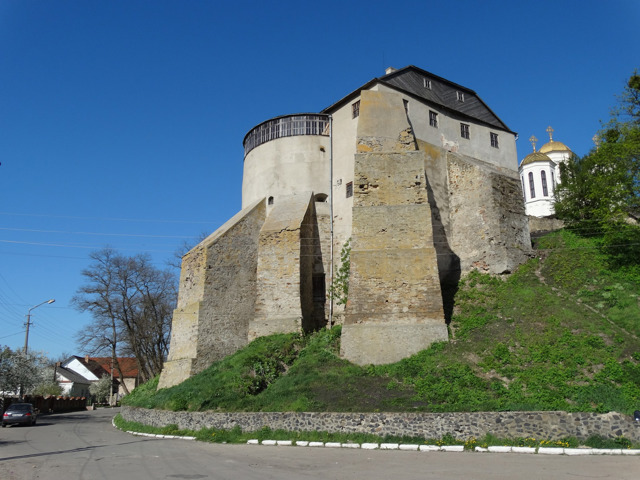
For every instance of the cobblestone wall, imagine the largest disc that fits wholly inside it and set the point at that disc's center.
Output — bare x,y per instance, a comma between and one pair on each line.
540,425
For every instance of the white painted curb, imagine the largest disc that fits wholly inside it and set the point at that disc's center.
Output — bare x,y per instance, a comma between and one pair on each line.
421,448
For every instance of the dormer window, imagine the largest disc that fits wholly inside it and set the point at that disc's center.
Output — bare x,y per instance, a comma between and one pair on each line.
427,83
460,96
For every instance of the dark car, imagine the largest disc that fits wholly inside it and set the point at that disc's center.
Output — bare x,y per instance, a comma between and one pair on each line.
19,414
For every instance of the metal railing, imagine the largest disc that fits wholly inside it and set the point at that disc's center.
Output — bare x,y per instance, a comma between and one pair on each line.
286,126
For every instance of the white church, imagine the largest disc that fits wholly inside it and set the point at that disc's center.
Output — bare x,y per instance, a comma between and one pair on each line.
540,173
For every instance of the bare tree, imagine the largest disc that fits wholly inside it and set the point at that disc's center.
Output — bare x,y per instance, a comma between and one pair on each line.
131,302
176,259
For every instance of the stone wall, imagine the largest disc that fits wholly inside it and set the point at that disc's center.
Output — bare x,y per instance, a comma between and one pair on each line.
395,303
487,228
284,276
217,297
462,425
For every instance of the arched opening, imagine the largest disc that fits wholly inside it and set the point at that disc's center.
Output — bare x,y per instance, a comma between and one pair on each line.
532,188
321,197
270,201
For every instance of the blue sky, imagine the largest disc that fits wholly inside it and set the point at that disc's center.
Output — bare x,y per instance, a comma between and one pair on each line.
121,122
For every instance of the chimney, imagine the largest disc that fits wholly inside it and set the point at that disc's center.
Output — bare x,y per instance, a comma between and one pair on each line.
389,70
86,358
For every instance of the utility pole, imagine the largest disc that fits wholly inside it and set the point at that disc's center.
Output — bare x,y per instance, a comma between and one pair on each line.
26,338
26,335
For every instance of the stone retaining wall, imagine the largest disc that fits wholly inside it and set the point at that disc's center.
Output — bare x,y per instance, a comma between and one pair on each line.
464,425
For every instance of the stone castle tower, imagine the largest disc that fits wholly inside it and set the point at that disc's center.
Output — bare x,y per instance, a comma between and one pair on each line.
416,170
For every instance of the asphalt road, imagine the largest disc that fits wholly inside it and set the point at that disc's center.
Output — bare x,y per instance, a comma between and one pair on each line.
84,445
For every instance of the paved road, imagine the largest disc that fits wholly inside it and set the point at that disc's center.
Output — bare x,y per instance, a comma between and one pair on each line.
85,446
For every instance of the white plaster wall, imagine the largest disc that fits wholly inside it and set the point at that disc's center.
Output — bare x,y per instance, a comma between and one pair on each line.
541,205
78,367
285,166
344,150
478,145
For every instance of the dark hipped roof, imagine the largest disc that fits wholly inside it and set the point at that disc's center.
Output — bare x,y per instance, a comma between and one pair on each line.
442,93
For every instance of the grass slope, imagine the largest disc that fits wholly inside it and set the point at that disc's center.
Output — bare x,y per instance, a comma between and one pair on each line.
559,334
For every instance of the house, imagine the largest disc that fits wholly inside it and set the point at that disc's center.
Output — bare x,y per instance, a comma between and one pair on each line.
415,172
76,374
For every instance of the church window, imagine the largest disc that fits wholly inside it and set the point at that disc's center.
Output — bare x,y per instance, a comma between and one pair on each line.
532,188
460,96
355,109
494,139
433,119
427,83
524,192
464,130
553,182
543,177
349,189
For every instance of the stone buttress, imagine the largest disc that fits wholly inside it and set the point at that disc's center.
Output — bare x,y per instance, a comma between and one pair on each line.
394,307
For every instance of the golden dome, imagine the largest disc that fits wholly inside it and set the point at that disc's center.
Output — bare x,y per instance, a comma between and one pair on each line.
554,146
535,157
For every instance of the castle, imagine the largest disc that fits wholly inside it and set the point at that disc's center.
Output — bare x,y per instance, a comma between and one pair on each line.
415,171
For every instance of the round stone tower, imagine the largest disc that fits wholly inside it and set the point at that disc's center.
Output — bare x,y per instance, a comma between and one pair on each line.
287,155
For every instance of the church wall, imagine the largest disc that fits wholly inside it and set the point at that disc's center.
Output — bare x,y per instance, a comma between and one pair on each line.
541,205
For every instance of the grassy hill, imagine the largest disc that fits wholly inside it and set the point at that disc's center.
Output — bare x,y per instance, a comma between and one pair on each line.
561,333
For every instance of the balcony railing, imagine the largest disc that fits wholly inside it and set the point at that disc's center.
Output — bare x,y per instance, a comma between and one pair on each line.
286,126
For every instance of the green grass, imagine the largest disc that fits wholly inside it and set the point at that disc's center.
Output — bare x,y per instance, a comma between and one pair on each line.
561,333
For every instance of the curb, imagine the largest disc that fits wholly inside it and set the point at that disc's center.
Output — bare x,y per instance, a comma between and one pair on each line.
413,447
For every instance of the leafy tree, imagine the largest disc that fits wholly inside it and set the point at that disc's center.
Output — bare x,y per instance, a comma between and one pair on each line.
604,185
27,374
102,389
339,289
131,302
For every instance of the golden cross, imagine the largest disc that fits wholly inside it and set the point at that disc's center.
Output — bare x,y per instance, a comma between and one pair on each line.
533,141
550,132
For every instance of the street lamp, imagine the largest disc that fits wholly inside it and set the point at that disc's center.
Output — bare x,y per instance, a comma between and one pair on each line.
26,336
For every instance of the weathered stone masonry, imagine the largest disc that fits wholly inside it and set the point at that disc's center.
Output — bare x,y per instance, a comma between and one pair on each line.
422,203
463,426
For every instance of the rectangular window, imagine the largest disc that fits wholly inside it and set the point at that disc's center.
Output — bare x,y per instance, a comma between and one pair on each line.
464,130
355,109
433,119
494,140
460,96
427,83
349,189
